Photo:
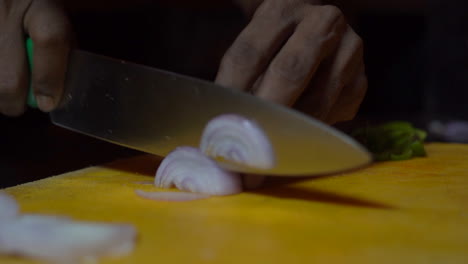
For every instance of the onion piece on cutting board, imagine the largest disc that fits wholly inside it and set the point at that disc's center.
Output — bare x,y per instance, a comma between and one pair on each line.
8,207
188,169
230,137
59,239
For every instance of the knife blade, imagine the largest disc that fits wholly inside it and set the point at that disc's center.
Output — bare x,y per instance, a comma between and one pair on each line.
155,111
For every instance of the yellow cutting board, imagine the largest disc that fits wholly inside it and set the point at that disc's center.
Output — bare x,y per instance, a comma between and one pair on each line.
412,211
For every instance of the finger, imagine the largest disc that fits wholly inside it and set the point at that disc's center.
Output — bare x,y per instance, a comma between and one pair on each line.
49,28
335,73
253,49
13,70
315,38
349,100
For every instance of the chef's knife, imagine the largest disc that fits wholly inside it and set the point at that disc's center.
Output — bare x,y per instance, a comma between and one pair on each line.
155,111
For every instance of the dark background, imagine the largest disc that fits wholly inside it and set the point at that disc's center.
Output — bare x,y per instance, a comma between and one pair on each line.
416,60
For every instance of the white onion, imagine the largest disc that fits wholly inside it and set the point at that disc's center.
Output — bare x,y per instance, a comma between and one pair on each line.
231,137
452,131
8,207
189,169
456,131
237,139
60,239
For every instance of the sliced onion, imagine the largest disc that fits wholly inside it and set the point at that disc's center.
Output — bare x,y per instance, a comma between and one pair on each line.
8,207
231,137
189,169
60,239
452,131
457,131
171,196
237,139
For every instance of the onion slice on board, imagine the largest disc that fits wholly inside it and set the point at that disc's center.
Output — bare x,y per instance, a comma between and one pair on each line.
62,240
188,169
8,207
229,136
237,139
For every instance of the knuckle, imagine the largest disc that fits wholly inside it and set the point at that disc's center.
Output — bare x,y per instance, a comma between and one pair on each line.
331,12
323,27
12,9
292,67
354,41
359,44
282,10
53,34
325,18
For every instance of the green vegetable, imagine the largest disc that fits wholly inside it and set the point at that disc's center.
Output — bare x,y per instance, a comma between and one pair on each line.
397,140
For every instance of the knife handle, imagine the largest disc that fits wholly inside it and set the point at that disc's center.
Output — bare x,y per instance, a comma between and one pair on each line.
31,100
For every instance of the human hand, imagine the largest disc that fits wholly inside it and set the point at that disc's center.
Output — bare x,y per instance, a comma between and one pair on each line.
47,25
300,54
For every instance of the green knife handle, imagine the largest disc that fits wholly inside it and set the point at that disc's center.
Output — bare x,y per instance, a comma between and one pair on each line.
31,101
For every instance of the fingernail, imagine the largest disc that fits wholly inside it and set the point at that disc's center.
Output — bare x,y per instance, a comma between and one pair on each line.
45,103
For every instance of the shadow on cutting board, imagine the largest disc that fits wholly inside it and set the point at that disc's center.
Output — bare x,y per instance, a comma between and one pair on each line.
278,187
316,195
